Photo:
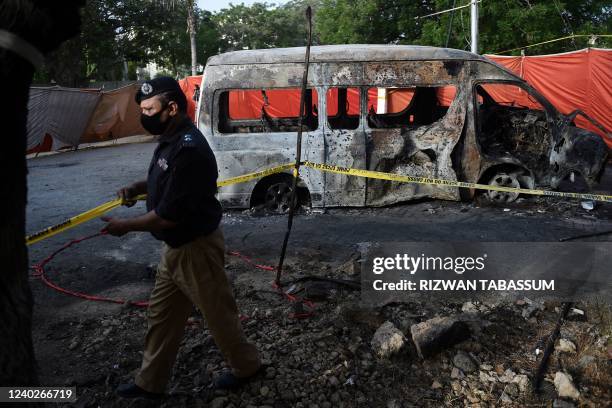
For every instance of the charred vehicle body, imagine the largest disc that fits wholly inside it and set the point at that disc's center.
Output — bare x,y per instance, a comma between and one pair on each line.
420,111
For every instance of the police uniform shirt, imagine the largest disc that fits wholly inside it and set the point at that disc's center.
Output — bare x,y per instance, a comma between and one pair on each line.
181,185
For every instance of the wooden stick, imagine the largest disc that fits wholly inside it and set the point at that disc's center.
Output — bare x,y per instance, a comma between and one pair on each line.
298,150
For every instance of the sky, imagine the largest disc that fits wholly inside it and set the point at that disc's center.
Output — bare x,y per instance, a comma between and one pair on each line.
216,5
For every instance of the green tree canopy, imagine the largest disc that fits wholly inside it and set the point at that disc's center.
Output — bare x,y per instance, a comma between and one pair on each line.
136,32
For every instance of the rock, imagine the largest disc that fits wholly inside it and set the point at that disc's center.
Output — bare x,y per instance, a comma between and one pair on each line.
74,344
333,381
464,362
565,387
511,389
287,395
270,373
507,376
436,385
585,361
219,402
434,335
456,386
457,373
531,309
565,346
387,340
588,205
264,391
505,398
522,381
485,377
559,403
351,267
394,404
355,313
469,307
576,315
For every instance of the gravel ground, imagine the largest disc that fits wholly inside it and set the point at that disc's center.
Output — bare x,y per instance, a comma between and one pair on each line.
326,360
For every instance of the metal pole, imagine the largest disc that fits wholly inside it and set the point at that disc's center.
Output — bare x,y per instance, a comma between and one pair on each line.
298,151
474,25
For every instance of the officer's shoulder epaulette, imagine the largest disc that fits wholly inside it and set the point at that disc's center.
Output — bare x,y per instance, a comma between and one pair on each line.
188,140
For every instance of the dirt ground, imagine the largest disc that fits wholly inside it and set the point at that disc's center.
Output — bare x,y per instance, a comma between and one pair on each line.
324,360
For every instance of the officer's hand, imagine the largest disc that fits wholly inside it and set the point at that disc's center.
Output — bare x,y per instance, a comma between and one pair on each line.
115,226
126,194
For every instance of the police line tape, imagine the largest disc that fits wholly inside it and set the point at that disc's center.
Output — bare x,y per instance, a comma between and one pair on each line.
449,183
101,209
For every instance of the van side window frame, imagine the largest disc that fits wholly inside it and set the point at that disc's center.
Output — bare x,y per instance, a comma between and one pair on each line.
365,109
326,89
218,107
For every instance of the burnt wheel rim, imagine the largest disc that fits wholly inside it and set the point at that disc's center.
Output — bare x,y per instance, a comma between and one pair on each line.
503,180
278,197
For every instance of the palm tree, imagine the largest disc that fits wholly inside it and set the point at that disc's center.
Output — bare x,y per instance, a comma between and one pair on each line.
191,28
190,5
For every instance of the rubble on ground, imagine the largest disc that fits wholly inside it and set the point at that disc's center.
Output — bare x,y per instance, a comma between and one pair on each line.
349,355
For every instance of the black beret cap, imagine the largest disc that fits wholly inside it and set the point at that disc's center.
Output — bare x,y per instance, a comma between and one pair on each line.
162,85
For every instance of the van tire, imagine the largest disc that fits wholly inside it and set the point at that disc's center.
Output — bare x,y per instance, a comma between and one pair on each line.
506,176
273,194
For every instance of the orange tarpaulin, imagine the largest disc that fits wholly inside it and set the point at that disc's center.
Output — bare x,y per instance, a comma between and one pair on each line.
570,81
116,116
188,85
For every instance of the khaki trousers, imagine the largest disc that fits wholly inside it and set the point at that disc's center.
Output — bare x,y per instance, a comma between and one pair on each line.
193,274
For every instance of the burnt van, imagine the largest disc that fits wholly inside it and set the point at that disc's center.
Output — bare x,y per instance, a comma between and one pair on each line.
412,110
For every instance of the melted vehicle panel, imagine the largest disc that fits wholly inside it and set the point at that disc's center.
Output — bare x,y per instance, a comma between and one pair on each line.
420,151
462,144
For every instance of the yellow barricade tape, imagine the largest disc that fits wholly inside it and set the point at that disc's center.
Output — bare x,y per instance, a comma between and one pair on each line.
251,176
449,183
101,209
71,222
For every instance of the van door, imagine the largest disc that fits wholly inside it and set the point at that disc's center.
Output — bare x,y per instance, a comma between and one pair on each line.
344,139
412,131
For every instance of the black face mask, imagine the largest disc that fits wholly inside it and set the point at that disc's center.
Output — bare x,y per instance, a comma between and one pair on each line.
153,123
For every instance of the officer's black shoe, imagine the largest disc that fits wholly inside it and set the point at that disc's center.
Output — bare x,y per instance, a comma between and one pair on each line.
134,391
228,381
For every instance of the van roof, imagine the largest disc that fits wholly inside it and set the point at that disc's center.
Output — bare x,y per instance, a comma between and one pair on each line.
342,53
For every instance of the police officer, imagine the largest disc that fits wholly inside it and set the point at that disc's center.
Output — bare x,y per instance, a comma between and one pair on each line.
183,212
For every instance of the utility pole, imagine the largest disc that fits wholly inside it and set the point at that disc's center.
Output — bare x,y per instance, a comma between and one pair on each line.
473,5
474,25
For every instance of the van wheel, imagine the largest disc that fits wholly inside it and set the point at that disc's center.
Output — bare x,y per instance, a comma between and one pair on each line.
503,180
277,197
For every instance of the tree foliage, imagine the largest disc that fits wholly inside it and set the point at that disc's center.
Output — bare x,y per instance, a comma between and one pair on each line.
504,25
141,31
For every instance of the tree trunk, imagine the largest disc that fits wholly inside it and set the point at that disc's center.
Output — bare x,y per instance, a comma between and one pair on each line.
191,28
45,26
17,362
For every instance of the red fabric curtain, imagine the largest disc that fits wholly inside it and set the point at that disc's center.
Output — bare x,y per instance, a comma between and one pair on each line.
574,80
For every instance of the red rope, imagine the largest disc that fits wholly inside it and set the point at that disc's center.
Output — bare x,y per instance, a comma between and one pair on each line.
251,262
286,295
39,272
